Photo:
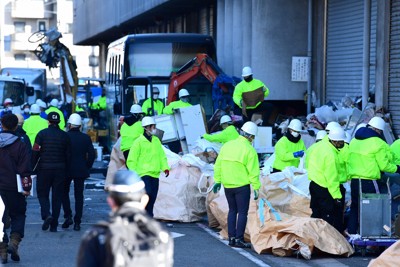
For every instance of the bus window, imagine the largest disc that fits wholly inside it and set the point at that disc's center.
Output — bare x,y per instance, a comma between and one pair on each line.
13,90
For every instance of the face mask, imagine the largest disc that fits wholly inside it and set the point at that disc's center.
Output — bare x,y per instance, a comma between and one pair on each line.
9,108
154,131
185,99
248,79
26,110
295,134
155,96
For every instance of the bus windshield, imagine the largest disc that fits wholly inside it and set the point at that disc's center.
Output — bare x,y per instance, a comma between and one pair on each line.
13,90
160,59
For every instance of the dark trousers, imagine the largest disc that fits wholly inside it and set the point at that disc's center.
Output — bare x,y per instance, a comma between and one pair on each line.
264,108
238,201
54,180
367,187
151,186
78,194
126,154
15,208
323,206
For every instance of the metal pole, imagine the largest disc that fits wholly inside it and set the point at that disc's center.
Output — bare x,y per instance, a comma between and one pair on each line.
309,55
366,52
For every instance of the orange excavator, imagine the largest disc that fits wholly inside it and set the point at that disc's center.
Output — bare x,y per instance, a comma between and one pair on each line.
202,64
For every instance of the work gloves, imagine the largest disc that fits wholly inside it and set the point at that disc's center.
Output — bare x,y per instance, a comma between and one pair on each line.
166,172
256,194
298,154
216,187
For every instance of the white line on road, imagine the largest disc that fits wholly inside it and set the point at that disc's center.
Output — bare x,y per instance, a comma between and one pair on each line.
241,251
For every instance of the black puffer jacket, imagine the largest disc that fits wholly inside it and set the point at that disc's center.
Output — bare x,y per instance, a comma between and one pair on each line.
82,154
14,159
53,147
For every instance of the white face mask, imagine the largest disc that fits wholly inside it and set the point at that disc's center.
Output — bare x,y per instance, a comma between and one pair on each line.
155,96
154,131
295,134
26,110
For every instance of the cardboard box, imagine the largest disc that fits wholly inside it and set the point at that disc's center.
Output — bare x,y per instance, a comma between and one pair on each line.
93,135
102,132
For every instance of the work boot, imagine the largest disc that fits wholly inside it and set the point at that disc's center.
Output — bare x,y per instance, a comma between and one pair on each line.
232,241
3,252
239,243
47,222
77,227
68,221
15,239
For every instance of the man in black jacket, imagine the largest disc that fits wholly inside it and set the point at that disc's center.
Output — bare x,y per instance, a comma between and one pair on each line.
14,159
82,158
51,152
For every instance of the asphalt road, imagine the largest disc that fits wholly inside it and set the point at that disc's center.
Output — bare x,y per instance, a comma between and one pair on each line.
195,244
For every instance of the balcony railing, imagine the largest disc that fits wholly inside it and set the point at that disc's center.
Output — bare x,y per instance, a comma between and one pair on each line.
31,9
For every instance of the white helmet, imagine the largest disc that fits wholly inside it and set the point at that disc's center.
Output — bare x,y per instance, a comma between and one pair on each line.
225,119
75,119
246,71
54,103
35,109
135,108
321,134
250,128
41,103
183,92
8,101
377,122
146,121
80,101
337,134
331,125
295,125
348,137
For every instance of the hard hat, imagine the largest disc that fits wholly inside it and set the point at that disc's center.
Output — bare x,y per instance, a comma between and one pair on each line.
80,101
295,125
41,103
126,186
135,108
250,128
35,109
377,122
225,119
183,92
348,137
8,101
156,90
53,117
146,121
321,134
246,71
75,119
54,102
332,125
20,119
337,134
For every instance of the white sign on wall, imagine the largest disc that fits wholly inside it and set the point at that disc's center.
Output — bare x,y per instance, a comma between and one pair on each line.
300,67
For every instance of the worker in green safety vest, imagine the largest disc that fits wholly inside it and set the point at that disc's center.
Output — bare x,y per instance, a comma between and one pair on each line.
158,105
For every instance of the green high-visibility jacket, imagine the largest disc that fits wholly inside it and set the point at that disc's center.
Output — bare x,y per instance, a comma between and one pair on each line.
33,125
101,104
175,105
395,149
147,158
284,150
237,165
244,87
324,168
228,134
343,158
78,109
158,107
368,158
62,120
129,134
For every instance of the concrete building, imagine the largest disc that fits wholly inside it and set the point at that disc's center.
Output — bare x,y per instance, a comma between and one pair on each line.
352,45
19,19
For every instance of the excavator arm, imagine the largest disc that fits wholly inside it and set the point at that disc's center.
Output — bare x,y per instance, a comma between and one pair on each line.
202,64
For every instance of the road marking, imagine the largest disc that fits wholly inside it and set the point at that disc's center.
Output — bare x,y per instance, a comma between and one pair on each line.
176,235
242,252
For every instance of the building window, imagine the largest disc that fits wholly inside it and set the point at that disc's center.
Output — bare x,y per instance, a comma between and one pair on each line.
42,26
19,57
19,26
7,43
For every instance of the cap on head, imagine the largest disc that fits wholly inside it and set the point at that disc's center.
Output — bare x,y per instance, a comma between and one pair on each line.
75,119
295,125
320,135
53,117
225,119
183,92
331,125
35,109
337,134
54,102
135,109
250,128
8,101
378,123
126,186
247,71
146,121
